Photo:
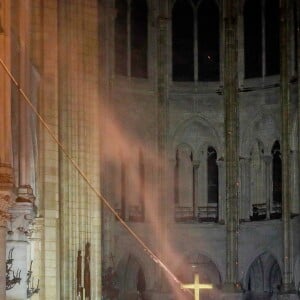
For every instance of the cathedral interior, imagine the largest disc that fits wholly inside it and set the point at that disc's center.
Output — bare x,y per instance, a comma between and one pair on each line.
148,144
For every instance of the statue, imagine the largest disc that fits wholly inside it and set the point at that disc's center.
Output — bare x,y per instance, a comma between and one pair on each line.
79,275
109,284
87,275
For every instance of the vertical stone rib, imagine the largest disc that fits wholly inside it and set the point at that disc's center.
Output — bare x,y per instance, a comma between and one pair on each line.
48,151
162,119
231,139
285,129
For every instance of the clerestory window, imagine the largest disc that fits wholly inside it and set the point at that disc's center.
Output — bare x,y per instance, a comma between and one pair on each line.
261,38
195,40
131,38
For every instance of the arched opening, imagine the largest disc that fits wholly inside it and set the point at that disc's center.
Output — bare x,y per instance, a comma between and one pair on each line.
182,41
132,279
208,273
208,41
277,180
253,38
263,279
121,37
139,38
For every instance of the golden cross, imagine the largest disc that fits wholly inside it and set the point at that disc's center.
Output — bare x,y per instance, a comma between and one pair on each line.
196,286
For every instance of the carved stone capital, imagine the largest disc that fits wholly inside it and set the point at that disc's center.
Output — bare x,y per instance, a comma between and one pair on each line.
21,218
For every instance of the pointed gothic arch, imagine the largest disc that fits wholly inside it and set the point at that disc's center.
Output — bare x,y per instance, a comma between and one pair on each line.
208,272
263,277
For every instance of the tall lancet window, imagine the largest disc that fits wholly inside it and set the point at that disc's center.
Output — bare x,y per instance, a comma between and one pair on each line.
208,41
296,29
212,176
121,34
131,38
253,38
272,36
261,38
139,41
182,41
276,175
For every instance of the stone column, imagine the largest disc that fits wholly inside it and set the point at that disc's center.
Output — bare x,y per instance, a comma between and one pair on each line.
268,179
162,93
6,171
26,161
230,11
285,130
245,201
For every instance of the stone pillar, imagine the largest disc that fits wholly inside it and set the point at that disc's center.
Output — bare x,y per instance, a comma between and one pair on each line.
268,180
6,171
79,208
245,181
230,11
285,131
26,160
